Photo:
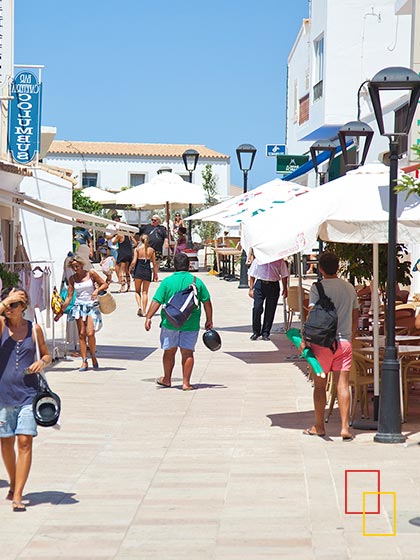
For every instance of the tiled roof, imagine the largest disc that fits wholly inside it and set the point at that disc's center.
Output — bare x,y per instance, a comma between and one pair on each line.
130,149
15,168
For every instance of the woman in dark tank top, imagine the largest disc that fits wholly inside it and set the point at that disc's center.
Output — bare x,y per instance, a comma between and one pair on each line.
18,386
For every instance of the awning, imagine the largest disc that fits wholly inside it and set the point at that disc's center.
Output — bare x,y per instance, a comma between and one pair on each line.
58,214
308,166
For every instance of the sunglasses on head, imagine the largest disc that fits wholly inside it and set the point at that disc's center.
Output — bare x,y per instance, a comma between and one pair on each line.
15,304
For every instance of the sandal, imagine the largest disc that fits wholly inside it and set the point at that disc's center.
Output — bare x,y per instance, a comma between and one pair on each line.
9,495
18,506
84,365
95,364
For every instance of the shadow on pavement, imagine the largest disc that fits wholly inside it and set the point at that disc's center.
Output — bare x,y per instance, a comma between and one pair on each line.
271,357
177,384
236,328
50,497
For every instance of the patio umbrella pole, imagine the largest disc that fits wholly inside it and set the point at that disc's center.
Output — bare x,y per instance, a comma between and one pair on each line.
169,234
375,298
295,357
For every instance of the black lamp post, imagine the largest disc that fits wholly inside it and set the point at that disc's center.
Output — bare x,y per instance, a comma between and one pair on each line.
246,155
355,130
392,79
317,148
190,158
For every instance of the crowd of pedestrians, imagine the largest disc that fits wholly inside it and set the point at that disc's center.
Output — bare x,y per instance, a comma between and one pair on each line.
24,353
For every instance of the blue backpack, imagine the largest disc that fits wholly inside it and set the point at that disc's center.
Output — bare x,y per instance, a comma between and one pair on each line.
181,305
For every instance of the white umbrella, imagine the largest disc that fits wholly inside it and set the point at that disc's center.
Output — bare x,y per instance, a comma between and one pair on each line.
99,195
252,203
162,189
351,209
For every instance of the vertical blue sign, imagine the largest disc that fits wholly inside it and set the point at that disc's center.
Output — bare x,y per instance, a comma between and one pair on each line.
25,117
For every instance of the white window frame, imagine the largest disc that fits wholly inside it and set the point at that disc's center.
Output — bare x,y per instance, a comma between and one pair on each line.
131,173
319,60
86,172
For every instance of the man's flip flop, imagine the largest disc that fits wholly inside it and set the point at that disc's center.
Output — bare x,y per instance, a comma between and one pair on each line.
309,433
190,388
159,382
18,506
348,438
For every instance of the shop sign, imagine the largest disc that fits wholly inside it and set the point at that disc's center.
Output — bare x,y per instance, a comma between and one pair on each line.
288,164
25,117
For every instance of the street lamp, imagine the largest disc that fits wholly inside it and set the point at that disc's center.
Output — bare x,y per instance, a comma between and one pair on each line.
246,155
190,158
317,148
351,131
392,79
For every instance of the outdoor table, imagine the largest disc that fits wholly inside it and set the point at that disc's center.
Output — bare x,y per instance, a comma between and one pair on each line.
401,338
227,257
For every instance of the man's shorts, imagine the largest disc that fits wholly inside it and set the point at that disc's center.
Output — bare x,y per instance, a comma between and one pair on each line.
17,420
178,339
339,361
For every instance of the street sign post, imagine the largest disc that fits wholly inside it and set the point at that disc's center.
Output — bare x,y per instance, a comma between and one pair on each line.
288,164
275,149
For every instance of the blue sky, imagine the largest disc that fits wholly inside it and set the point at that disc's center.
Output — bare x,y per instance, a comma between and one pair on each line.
165,71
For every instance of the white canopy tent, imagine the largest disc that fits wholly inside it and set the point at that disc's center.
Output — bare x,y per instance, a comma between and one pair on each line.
240,208
60,214
99,195
164,190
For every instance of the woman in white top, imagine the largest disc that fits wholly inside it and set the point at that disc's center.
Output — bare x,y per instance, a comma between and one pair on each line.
86,284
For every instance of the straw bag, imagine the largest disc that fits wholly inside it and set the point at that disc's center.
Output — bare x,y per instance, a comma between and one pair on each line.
107,303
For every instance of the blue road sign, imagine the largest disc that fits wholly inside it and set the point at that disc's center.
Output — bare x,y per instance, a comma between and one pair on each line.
275,149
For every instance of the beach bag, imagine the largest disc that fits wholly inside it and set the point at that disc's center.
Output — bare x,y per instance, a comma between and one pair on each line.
63,295
181,305
56,301
107,303
321,326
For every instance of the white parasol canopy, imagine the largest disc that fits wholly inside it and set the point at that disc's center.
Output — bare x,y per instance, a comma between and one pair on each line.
99,195
351,209
252,203
163,189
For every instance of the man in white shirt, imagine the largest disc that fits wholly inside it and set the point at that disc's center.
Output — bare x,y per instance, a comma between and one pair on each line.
264,288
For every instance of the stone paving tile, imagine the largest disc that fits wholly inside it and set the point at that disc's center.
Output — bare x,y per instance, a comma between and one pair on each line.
221,473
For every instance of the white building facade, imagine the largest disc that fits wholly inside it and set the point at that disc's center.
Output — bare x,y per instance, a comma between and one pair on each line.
114,165
338,48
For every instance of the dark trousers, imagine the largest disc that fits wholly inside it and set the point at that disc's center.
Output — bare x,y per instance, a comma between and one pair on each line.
268,292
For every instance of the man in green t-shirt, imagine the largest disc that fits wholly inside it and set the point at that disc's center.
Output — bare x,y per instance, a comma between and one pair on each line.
186,337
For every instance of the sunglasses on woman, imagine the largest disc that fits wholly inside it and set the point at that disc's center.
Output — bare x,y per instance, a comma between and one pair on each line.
15,304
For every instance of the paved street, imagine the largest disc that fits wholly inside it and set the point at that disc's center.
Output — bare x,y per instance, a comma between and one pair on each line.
220,473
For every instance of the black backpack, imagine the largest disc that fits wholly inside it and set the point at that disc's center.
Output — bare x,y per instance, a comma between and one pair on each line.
321,326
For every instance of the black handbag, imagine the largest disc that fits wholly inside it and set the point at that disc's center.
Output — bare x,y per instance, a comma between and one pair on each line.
46,405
